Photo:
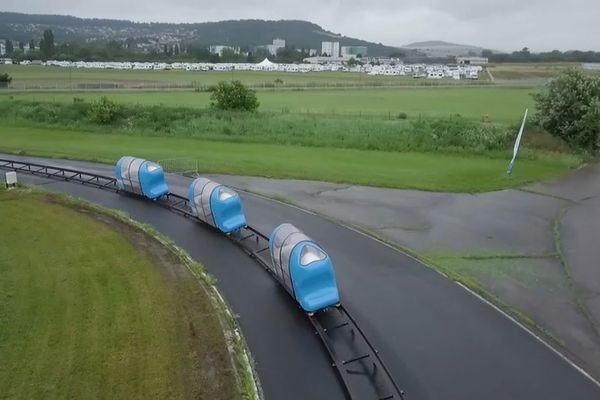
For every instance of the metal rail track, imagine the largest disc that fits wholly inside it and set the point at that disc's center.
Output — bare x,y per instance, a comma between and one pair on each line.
360,368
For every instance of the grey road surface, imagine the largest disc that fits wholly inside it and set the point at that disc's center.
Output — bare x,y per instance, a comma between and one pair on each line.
439,341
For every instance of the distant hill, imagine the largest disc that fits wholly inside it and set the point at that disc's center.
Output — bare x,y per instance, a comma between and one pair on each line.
243,33
438,48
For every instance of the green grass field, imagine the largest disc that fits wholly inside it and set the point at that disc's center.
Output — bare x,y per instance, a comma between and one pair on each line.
92,308
500,104
531,71
426,171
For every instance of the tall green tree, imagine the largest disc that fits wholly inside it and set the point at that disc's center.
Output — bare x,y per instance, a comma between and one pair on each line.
31,45
47,44
9,47
569,107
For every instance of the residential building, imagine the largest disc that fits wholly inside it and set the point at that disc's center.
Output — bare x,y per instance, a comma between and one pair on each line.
218,49
277,44
331,49
2,49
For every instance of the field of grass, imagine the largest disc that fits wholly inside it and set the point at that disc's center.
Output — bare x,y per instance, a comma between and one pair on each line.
427,171
531,71
93,308
498,103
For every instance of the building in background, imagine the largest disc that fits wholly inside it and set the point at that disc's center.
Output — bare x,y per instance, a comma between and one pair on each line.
331,49
2,49
591,66
218,49
354,51
471,60
277,44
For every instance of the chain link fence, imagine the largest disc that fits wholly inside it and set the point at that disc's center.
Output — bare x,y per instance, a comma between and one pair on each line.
186,166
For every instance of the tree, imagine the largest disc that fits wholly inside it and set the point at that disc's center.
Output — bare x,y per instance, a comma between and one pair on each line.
176,49
47,44
233,96
569,108
352,62
104,111
22,46
31,45
5,80
9,47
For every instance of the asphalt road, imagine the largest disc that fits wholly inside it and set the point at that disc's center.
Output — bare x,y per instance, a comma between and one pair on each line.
439,341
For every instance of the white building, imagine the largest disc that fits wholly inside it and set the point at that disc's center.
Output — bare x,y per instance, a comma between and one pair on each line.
218,49
332,49
2,49
591,66
277,44
471,60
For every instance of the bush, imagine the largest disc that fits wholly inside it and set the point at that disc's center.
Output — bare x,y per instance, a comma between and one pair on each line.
104,111
233,96
5,80
569,108
402,115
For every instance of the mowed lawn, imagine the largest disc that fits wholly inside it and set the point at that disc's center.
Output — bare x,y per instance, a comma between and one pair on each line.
426,171
498,104
89,310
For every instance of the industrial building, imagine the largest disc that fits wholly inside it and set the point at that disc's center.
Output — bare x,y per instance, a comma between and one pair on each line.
471,60
354,51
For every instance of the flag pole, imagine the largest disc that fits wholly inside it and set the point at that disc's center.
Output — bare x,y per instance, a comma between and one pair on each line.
517,144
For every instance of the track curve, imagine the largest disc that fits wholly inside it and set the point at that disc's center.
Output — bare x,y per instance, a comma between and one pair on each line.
438,340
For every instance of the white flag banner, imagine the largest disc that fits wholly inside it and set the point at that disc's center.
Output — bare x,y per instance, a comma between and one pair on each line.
517,144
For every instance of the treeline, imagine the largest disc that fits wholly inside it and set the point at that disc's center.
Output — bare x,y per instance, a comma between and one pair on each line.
249,33
525,56
111,50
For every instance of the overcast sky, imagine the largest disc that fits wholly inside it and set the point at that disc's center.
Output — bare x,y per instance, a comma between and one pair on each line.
502,24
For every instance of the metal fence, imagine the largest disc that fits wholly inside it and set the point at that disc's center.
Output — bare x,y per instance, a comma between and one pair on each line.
180,165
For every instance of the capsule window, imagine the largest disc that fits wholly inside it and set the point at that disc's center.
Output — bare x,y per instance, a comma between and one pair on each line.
226,194
311,254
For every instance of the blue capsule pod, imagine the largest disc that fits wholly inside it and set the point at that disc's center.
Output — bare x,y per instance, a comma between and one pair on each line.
304,268
217,205
142,177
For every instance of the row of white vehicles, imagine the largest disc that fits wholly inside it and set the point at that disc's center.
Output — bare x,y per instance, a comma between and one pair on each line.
428,71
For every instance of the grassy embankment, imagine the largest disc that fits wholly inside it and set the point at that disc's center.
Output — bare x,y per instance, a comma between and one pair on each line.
450,154
91,307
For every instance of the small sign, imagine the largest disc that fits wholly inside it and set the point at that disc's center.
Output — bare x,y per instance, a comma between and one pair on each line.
11,178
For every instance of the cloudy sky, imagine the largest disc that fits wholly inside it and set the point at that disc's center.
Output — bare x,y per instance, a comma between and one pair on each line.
501,24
